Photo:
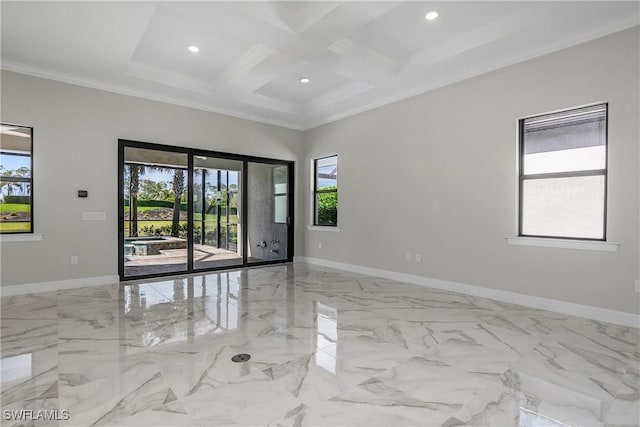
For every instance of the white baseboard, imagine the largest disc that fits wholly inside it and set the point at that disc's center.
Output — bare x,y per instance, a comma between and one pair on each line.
32,288
589,312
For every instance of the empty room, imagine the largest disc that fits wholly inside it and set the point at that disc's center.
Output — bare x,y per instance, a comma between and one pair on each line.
320,213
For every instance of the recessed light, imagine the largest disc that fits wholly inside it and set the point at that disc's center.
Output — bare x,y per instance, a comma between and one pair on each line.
194,49
305,79
431,15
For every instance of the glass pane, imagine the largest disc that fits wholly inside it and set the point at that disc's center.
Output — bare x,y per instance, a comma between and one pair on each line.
216,210
268,230
564,207
155,212
15,179
327,208
280,209
563,142
280,183
327,173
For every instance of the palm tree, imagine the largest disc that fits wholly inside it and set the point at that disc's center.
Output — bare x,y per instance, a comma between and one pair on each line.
135,171
152,190
10,186
4,172
178,189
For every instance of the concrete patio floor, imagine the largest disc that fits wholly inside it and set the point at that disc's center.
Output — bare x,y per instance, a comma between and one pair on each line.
175,260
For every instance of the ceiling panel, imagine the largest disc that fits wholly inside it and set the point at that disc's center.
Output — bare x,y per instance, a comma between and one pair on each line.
291,16
403,31
163,46
287,87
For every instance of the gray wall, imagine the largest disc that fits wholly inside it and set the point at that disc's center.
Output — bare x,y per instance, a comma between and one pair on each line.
436,174
76,133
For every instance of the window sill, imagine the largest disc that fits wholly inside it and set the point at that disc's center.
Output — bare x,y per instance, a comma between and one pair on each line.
323,228
5,238
585,245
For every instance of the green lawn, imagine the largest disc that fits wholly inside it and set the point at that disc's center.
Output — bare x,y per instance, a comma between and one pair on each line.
14,227
233,219
144,208
6,208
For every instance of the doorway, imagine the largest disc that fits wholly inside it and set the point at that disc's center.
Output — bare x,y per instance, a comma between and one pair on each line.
216,212
184,210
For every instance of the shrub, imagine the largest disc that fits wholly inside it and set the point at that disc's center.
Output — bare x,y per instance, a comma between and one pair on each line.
156,204
165,230
327,208
19,200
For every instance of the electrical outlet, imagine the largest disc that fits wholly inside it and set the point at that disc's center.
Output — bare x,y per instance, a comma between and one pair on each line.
418,258
74,259
319,245
408,256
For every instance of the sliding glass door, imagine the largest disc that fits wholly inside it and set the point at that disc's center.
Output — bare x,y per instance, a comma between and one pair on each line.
154,212
217,209
268,227
184,210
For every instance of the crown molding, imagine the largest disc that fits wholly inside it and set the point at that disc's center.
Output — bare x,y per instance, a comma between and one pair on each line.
469,73
310,120
29,70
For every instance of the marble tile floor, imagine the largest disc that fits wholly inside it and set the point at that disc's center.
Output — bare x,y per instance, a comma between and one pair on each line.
328,348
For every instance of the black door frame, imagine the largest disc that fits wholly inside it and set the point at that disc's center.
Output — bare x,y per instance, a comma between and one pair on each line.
191,152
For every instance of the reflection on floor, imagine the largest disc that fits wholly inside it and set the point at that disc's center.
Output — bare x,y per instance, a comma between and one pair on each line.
328,348
175,260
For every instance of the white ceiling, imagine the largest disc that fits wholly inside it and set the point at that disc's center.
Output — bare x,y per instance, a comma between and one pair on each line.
359,55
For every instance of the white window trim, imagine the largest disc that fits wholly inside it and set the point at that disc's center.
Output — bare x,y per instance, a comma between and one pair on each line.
24,237
585,245
31,237
312,189
551,242
331,228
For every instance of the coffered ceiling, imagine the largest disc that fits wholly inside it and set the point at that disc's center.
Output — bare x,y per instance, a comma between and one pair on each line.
357,55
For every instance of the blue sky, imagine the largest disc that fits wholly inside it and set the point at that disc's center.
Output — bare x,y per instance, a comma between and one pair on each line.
326,169
14,162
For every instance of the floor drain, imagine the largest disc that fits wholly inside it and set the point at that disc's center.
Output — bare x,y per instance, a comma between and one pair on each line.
239,358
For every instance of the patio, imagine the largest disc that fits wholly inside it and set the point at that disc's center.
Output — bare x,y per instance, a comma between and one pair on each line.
175,260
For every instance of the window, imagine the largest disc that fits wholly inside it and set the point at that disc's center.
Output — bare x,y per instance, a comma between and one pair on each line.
563,174
325,191
16,181
280,191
